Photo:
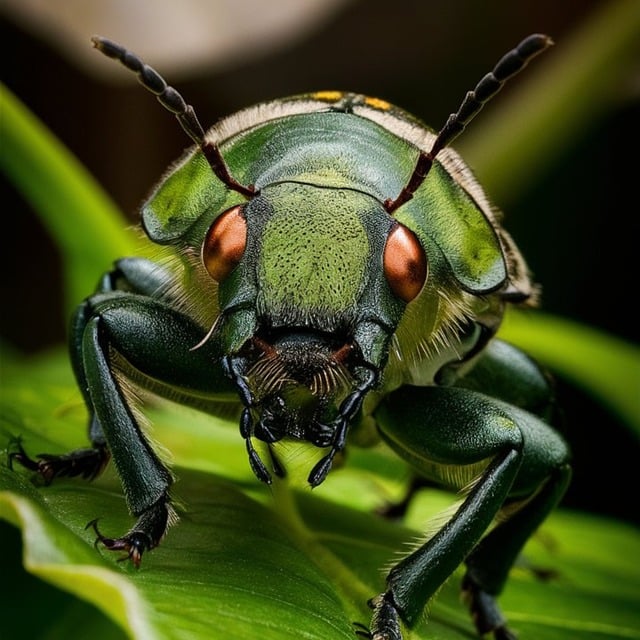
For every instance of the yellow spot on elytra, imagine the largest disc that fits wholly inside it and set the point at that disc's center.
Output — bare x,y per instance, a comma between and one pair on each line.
327,96
377,103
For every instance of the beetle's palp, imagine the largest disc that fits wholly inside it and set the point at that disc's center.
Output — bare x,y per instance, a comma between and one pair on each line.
173,101
508,66
348,410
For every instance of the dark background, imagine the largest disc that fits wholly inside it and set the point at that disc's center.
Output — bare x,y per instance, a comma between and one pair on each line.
577,222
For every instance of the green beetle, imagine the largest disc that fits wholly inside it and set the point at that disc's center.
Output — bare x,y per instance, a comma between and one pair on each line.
336,272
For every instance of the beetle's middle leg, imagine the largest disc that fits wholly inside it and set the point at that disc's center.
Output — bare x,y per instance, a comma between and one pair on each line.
503,372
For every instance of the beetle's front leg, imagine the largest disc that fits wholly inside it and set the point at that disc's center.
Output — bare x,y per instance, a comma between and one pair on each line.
133,275
453,435
123,334
151,342
146,480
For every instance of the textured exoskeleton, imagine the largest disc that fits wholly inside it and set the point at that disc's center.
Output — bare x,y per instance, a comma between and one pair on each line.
336,269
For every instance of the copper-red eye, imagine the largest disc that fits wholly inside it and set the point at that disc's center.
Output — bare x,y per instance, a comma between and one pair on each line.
405,264
224,244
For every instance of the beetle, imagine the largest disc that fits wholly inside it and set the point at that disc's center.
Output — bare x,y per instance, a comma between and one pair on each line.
336,273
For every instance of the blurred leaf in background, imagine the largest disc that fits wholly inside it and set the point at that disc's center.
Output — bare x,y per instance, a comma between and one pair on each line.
239,560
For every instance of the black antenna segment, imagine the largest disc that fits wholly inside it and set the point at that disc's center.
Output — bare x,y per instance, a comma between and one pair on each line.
171,100
509,65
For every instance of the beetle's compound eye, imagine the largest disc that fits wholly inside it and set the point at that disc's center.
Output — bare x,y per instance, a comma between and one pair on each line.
405,264
224,243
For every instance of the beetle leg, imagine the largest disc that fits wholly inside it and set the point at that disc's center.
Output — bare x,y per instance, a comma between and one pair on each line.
134,331
138,275
414,580
146,480
489,563
144,536
485,612
86,463
129,274
452,434
501,371
385,622
151,343
135,275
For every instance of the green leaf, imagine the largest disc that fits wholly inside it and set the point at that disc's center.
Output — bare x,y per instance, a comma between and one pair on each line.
245,562
87,227
605,366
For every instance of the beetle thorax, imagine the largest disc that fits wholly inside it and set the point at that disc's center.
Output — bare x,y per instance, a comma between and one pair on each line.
313,257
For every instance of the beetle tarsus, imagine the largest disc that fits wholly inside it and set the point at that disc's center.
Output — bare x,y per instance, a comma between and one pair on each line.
135,543
143,536
485,612
86,463
385,621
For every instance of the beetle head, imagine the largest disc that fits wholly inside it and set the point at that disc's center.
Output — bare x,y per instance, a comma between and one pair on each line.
312,284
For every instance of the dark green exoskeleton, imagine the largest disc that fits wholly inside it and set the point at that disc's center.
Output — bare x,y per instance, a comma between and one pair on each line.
336,271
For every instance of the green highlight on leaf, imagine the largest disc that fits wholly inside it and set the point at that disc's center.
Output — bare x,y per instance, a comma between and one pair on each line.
52,552
246,562
603,365
87,227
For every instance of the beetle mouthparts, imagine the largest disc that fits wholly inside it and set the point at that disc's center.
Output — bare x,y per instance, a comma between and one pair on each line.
313,360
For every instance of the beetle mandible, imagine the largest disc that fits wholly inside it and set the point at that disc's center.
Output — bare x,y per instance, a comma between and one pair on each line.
337,268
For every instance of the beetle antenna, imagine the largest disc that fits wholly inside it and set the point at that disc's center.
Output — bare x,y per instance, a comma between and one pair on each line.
508,66
171,100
